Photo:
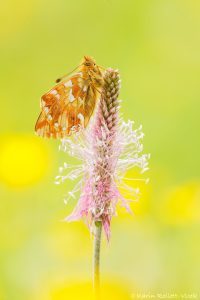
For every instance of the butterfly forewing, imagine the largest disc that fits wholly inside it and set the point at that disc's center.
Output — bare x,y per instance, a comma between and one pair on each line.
67,107
64,108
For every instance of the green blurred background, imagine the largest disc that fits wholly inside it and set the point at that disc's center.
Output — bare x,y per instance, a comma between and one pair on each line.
155,44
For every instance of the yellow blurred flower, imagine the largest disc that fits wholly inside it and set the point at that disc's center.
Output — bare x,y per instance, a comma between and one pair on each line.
23,160
84,291
182,205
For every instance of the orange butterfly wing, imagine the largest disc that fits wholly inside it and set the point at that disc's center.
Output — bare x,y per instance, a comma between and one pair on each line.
66,108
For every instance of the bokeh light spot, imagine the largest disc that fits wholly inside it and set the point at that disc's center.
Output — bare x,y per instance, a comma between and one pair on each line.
24,160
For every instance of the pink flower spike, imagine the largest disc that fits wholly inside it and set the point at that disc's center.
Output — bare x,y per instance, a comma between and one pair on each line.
107,149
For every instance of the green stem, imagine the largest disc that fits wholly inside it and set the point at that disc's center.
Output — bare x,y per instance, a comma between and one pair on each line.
96,259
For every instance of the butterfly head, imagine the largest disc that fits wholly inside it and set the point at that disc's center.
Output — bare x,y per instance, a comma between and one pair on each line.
90,66
89,61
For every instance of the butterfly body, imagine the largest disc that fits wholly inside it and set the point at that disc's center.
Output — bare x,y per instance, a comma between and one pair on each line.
68,106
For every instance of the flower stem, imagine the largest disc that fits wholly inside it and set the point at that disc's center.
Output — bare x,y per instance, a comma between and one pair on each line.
96,259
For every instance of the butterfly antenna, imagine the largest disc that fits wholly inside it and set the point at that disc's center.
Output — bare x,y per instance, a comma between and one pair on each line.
61,78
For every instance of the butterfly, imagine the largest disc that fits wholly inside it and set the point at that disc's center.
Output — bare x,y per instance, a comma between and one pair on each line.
69,105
